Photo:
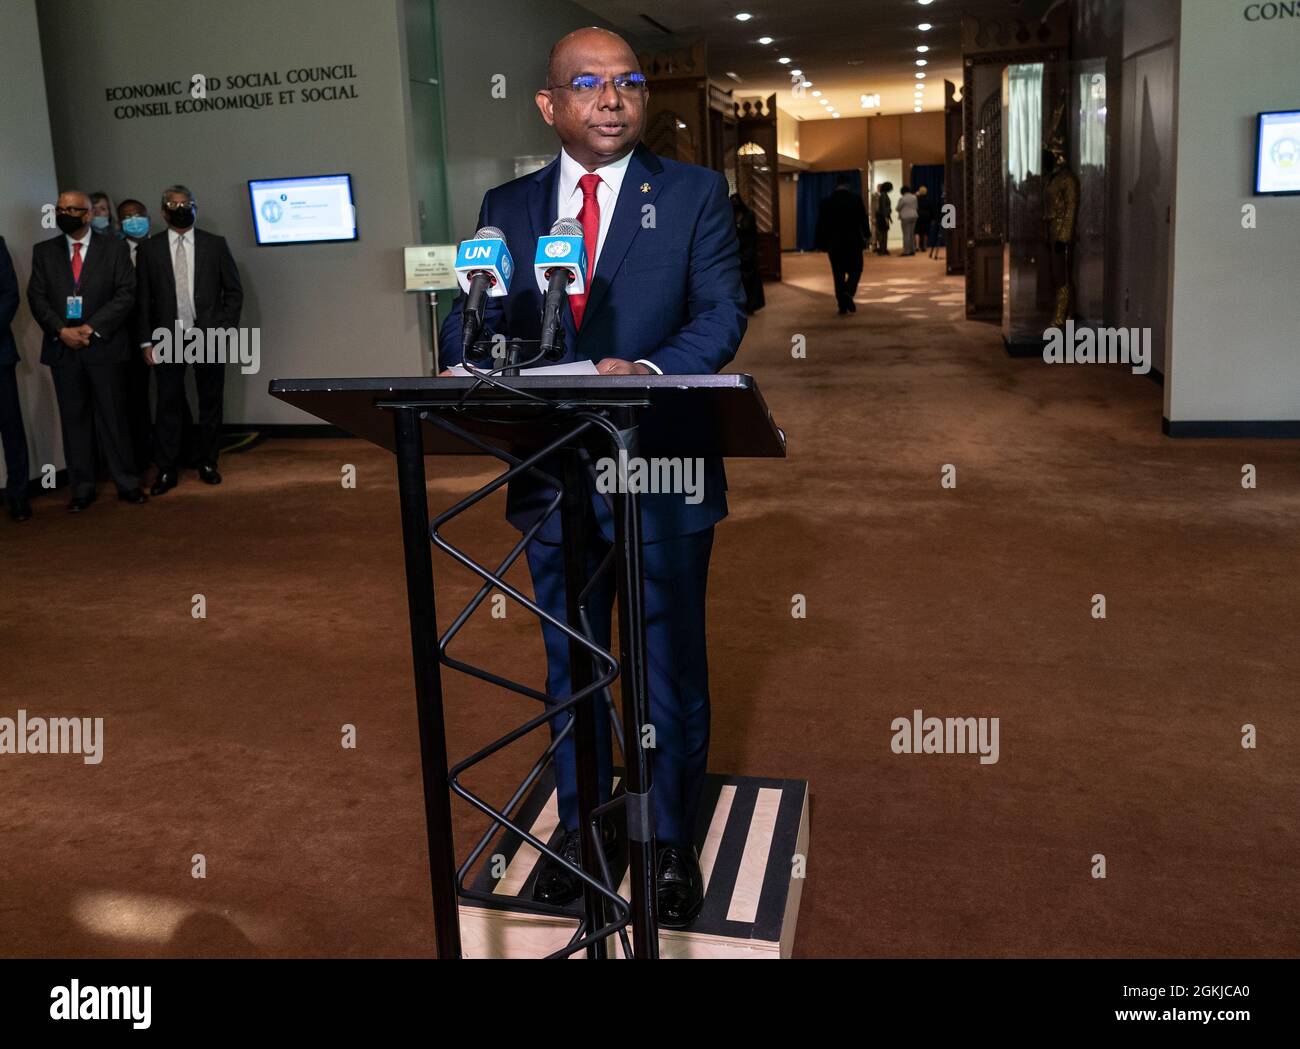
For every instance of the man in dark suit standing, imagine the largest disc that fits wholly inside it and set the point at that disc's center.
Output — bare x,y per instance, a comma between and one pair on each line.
664,297
186,275
843,232
12,432
81,293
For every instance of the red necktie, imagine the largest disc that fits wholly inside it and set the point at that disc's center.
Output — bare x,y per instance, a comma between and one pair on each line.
76,262
589,216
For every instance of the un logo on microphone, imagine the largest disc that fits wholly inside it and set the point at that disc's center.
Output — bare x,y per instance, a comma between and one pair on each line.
557,249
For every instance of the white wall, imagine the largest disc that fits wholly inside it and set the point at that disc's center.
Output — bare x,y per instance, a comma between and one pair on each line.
26,182
1235,312
323,309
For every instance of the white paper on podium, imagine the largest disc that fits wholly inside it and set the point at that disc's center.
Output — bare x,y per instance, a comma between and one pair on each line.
576,368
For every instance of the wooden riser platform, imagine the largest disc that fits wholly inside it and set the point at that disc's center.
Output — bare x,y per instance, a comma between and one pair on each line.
748,834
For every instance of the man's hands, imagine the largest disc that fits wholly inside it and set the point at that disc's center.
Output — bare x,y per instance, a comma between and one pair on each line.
77,338
615,366
148,355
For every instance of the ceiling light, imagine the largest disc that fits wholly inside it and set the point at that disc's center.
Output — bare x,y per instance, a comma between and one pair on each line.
922,62
817,93
920,76
743,16
783,60
925,27
764,39
923,49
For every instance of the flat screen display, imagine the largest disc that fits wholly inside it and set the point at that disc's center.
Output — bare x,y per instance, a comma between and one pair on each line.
1277,162
303,210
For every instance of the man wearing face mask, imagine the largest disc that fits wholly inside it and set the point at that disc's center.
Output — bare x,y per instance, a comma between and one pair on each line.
133,219
81,292
189,275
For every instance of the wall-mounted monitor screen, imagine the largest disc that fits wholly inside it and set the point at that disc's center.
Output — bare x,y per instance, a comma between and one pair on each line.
1277,157
303,210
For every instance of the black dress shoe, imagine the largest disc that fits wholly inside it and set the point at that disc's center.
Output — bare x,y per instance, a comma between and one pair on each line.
80,502
164,482
19,508
679,886
558,885
853,307
135,495
209,475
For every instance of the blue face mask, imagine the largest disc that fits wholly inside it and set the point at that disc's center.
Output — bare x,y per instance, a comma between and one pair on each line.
99,223
136,226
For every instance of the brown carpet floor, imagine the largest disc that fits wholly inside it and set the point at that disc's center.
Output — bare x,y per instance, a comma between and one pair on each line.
1119,737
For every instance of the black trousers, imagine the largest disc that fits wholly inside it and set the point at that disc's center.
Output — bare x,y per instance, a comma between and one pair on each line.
92,399
846,272
169,421
12,433
138,422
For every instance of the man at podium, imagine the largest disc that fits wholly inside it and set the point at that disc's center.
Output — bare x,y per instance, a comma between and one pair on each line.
664,296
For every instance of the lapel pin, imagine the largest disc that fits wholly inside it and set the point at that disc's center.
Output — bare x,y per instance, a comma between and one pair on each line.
645,187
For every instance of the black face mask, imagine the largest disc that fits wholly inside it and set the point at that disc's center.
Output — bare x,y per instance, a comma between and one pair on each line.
182,218
69,224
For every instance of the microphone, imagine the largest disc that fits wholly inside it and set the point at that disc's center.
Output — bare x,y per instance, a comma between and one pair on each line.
483,270
561,269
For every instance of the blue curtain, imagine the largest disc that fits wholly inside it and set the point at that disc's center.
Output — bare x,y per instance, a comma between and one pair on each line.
931,177
814,187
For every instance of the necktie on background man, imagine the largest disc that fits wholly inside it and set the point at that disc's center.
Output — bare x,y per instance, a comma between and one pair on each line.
184,307
589,216
76,262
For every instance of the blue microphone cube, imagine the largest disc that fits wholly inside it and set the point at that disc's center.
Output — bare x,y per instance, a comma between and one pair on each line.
567,252
486,256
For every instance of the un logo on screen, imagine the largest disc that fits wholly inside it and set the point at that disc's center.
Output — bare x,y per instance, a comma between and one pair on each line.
271,211
1286,152
557,249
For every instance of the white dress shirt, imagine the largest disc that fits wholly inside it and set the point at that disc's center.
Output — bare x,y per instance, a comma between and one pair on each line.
85,246
568,203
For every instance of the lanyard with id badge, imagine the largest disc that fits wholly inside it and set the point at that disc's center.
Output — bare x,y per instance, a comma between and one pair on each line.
73,310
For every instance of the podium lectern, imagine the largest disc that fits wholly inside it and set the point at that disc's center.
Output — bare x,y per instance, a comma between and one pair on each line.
531,424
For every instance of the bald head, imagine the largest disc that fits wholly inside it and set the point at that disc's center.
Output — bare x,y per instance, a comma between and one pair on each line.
599,119
572,50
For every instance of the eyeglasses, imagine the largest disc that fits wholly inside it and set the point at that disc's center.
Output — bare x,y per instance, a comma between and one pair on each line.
178,205
589,85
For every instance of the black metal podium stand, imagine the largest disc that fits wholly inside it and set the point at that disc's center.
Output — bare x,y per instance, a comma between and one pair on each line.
531,423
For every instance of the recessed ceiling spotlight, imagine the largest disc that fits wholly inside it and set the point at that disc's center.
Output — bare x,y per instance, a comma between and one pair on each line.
922,62
925,27
783,60
917,109
744,16
765,40
796,72
920,76
835,116
923,49
925,3
817,93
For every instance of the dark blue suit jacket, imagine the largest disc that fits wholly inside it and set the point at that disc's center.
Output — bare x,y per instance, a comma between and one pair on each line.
667,291
8,306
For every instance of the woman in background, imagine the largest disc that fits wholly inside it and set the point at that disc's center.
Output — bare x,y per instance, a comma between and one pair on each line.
907,212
